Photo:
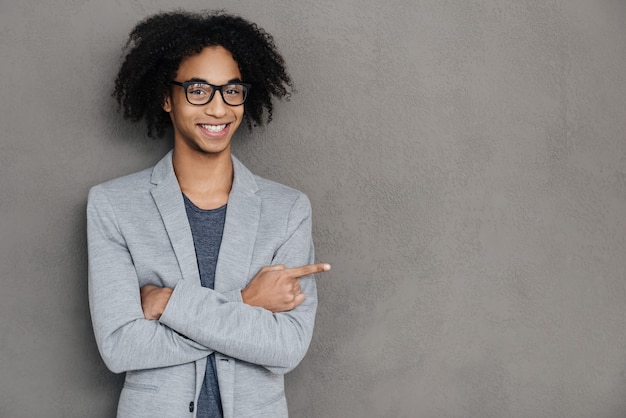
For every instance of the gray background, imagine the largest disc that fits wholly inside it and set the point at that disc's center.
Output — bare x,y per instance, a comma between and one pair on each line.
466,161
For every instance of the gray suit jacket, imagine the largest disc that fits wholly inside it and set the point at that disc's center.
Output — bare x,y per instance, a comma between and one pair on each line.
138,234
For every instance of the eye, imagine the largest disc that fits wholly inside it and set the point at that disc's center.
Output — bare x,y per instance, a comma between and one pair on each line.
198,90
233,90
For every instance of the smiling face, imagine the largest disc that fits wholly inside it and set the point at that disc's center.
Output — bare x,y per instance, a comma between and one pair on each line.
206,129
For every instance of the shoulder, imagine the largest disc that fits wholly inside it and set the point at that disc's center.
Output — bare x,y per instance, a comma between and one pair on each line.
272,188
123,188
280,198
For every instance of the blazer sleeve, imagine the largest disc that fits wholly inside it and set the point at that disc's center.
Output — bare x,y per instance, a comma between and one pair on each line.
125,339
277,341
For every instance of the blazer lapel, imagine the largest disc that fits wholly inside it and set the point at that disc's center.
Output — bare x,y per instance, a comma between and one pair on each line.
240,229
169,200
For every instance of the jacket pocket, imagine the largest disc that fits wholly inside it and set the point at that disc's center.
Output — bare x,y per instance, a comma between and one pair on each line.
142,387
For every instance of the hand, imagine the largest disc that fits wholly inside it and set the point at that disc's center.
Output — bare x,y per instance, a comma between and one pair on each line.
277,288
154,300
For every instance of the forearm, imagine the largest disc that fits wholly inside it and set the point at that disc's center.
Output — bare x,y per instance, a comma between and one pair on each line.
128,341
143,344
255,335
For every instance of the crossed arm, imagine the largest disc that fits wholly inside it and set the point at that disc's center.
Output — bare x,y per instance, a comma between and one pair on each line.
274,288
268,323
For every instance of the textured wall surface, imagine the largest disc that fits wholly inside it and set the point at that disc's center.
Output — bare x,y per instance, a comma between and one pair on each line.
466,161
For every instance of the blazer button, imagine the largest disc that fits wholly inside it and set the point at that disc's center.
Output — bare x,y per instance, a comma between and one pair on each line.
190,406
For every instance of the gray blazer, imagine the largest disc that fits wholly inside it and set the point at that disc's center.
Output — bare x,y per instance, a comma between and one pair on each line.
138,234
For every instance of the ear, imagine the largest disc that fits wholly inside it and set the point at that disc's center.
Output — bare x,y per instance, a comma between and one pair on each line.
167,103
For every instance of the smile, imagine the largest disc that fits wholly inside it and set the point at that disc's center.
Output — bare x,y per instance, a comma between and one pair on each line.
214,128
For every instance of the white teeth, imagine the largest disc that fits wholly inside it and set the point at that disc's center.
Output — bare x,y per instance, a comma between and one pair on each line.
214,128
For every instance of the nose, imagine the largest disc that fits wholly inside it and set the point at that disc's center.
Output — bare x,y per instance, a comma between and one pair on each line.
216,107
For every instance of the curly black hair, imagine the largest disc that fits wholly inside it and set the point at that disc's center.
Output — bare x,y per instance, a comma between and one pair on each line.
158,44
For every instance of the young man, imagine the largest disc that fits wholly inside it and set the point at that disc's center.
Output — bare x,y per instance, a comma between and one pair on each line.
195,265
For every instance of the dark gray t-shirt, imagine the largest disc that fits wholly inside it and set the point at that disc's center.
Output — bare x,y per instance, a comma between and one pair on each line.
207,227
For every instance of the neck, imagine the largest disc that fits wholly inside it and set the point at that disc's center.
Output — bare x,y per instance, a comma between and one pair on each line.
206,179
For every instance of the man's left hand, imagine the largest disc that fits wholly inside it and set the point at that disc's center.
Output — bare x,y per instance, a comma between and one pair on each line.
154,300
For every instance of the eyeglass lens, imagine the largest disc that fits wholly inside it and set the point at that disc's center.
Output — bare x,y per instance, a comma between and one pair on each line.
200,93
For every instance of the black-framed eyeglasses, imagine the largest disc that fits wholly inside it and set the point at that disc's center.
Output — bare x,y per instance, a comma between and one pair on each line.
199,93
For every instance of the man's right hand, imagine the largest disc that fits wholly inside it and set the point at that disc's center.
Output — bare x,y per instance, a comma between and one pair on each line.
277,288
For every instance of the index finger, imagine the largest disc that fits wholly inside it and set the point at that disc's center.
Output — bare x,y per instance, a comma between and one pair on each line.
308,269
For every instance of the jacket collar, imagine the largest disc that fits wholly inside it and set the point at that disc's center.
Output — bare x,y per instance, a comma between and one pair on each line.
243,179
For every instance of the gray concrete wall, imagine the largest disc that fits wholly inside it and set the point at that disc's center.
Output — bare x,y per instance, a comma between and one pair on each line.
466,161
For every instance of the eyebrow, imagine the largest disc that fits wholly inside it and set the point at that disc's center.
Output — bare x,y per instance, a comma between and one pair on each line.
201,80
